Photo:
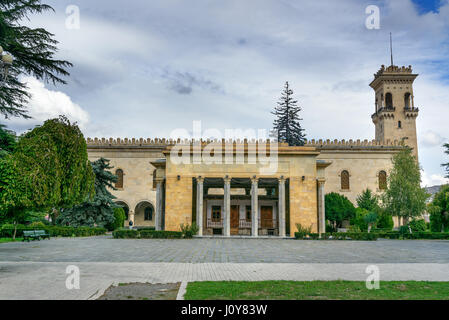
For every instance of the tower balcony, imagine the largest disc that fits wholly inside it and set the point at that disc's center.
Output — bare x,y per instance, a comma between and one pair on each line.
411,112
384,112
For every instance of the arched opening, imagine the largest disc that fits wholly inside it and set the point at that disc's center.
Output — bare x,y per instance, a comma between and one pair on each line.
144,214
389,100
382,180
407,100
344,176
399,124
125,208
119,183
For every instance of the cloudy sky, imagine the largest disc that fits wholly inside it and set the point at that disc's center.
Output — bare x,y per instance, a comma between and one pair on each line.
145,68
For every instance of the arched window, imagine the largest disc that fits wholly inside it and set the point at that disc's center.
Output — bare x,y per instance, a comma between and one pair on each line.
389,100
344,180
382,180
399,124
148,213
119,174
407,100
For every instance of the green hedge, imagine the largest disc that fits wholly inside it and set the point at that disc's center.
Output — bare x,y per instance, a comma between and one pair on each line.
146,234
425,235
339,236
7,231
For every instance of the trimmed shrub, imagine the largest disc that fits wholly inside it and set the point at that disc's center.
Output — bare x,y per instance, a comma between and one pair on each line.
119,219
365,236
188,231
153,234
125,234
7,231
384,221
418,225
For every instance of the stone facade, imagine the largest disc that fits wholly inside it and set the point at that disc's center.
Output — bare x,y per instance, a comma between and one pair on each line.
163,193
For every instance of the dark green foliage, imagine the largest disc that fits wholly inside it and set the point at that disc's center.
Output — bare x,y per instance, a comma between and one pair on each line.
99,211
119,219
338,208
368,201
7,140
359,219
7,230
339,236
439,210
418,225
47,169
404,196
385,221
33,50
286,124
146,234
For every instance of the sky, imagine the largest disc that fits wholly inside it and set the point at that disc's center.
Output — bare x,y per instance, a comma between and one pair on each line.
149,68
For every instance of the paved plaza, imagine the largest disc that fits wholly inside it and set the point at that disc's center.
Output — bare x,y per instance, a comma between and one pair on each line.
106,249
37,270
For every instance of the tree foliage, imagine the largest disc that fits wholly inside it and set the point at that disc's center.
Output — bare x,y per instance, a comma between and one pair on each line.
404,196
100,210
286,124
47,169
33,50
7,140
439,210
338,208
367,200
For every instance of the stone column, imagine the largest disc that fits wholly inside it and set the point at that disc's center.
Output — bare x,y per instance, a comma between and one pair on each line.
158,223
254,207
281,207
227,207
199,205
321,207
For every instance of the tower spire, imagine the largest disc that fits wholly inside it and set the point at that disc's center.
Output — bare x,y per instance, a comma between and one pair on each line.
391,49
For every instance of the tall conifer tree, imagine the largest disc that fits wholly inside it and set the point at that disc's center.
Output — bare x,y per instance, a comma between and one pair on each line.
286,125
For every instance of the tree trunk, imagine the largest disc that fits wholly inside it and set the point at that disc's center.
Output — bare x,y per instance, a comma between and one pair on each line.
15,230
369,227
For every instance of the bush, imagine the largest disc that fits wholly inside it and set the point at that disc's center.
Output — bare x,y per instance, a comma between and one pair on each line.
338,208
153,234
124,233
7,231
359,219
404,229
365,236
302,231
119,219
385,221
418,225
188,231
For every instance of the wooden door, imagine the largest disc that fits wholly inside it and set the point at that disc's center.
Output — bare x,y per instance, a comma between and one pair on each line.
266,217
235,219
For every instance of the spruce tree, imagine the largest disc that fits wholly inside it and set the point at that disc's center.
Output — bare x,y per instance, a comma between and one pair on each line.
100,210
33,50
286,125
367,200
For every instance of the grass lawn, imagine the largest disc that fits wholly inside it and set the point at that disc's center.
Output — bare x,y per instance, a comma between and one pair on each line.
2,240
315,290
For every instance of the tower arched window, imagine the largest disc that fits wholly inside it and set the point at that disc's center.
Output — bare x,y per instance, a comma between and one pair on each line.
119,174
389,100
399,124
407,100
382,180
344,176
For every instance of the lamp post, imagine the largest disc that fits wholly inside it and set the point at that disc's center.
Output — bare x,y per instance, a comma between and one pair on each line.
5,63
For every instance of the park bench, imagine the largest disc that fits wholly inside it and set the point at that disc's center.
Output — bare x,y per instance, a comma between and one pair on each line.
35,235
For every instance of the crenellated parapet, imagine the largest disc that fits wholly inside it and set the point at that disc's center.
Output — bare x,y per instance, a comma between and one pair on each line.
163,142
321,143
393,70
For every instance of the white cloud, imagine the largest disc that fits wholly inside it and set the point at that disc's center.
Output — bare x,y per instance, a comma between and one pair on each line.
431,139
45,104
429,180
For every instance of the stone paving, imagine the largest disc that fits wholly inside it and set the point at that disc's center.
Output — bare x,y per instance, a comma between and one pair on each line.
106,249
37,270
